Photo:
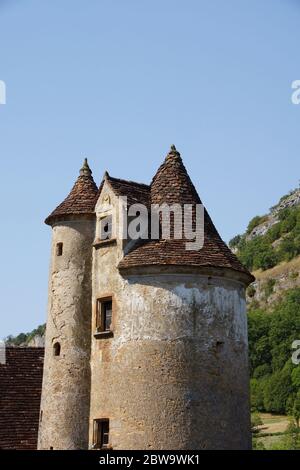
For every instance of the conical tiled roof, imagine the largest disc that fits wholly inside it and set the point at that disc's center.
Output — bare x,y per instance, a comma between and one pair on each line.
81,199
171,185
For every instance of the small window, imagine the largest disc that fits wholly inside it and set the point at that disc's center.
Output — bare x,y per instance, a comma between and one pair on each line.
101,433
56,349
106,228
59,249
104,314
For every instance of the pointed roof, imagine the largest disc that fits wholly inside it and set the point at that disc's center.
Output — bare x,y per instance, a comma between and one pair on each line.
81,199
171,185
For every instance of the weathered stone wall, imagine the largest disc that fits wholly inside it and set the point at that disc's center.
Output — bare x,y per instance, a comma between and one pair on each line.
174,375
66,383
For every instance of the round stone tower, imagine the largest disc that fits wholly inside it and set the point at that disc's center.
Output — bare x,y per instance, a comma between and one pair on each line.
173,374
65,401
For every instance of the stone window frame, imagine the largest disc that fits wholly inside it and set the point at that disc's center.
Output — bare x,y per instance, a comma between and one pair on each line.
101,434
56,348
106,241
100,332
59,248
103,211
110,222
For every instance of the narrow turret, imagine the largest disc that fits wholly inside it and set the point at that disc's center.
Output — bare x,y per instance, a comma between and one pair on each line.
64,415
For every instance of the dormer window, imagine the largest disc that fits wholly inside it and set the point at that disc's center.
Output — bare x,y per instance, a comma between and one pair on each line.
106,227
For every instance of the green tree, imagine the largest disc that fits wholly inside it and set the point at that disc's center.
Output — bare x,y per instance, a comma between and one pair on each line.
284,328
277,391
296,410
258,332
296,377
275,381
257,387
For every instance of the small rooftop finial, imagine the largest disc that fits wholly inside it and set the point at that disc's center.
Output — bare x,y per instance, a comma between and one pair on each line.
106,175
85,169
173,151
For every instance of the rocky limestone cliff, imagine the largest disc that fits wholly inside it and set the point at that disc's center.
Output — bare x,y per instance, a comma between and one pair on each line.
290,200
270,285
33,339
37,341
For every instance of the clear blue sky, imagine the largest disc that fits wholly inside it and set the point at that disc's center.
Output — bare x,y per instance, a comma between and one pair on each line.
119,81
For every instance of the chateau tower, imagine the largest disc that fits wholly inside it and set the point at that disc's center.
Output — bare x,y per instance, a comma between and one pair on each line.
169,330
65,402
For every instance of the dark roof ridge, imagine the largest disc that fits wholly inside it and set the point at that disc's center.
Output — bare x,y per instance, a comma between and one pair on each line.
122,180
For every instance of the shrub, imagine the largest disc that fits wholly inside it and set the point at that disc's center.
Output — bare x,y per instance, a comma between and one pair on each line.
291,439
259,252
235,241
257,220
293,275
266,259
255,422
269,287
251,291
273,233
262,371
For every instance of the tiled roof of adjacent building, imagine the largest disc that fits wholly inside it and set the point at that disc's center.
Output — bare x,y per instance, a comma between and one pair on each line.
81,199
20,396
170,185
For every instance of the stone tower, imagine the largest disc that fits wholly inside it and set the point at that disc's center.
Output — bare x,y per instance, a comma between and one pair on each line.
64,414
170,366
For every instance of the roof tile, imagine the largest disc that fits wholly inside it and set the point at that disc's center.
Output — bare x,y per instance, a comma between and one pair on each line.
81,199
171,185
20,396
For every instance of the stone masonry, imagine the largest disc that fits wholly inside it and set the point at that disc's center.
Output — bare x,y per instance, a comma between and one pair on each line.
170,371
